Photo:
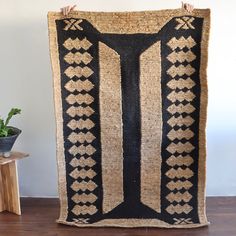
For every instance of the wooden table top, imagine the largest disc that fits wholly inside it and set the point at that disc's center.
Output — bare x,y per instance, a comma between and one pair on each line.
13,157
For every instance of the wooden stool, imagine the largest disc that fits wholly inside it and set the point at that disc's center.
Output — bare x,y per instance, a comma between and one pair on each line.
9,188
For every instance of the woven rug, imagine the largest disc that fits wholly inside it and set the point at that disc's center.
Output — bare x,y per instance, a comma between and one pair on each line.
130,95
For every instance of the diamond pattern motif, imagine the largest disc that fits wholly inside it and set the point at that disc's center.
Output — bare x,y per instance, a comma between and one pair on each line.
80,99
82,149
82,162
81,136
180,159
81,124
179,185
83,185
79,85
180,70
178,197
70,44
91,198
80,111
84,209
181,56
82,173
78,71
180,121
179,209
181,83
180,147
179,173
78,57
180,134
181,96
181,43
181,108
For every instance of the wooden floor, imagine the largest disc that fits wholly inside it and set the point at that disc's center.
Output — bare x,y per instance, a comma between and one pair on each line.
38,218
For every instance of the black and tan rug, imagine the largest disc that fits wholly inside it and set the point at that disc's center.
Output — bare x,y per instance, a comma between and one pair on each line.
130,99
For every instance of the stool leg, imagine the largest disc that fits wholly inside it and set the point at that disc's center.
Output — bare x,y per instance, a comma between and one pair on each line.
2,206
10,188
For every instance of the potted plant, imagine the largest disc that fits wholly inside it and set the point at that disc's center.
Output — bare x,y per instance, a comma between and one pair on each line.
8,134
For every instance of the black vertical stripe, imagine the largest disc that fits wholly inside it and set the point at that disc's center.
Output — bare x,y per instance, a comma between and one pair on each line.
131,128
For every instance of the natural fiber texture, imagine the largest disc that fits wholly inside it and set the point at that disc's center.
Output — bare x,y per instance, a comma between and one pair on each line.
130,95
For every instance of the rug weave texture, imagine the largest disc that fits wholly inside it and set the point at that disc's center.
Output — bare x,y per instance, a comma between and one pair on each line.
130,95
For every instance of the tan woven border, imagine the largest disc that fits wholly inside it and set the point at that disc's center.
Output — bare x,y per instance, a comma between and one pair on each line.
105,23
202,122
133,223
59,119
139,22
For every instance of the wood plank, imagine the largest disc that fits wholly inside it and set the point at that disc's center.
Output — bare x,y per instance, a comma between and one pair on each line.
10,190
2,206
13,157
39,217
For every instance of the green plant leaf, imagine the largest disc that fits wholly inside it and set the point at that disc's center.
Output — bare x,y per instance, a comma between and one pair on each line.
4,132
1,123
13,111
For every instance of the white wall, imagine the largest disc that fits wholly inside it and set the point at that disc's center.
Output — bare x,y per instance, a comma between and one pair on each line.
26,82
